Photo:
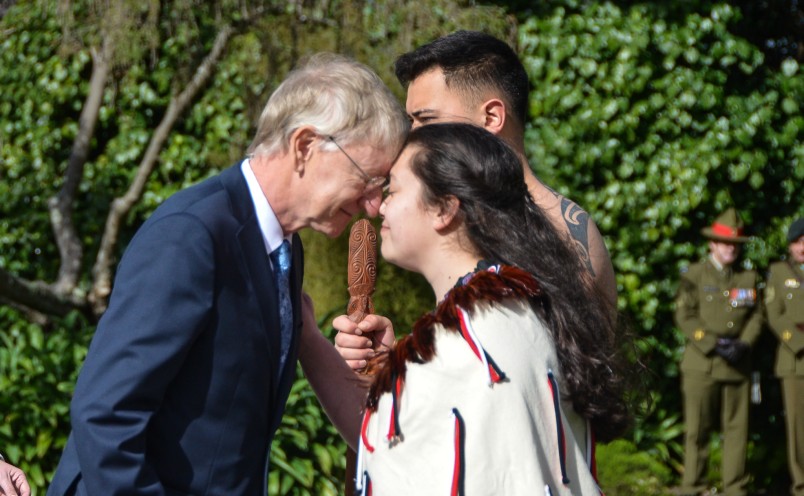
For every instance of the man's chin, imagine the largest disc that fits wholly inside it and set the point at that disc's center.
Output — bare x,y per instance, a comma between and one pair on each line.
334,227
332,231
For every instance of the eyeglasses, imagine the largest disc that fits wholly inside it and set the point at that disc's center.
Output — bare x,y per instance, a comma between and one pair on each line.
371,182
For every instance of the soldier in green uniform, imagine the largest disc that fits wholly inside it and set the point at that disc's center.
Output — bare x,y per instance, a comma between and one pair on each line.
784,300
719,313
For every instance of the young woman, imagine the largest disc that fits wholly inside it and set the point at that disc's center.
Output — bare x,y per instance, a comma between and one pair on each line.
503,388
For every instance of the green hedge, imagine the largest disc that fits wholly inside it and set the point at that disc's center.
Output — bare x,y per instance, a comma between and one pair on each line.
655,117
38,369
652,115
45,65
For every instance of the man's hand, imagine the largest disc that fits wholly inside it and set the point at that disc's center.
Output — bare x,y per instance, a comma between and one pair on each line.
13,481
359,342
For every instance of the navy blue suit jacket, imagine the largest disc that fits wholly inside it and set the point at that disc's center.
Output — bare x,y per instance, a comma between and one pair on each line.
182,388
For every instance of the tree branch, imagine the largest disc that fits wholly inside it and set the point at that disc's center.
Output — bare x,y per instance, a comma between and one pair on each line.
61,205
101,271
38,296
30,315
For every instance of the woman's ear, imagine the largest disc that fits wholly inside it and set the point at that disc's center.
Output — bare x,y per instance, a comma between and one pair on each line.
302,142
446,213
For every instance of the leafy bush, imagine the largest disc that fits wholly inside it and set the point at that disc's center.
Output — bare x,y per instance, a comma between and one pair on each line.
45,65
625,471
38,369
652,115
308,456
656,117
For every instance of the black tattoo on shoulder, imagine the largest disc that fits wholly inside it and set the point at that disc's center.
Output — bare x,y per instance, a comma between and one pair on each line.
577,220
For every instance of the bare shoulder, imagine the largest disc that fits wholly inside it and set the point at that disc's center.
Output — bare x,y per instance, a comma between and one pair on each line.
600,261
584,233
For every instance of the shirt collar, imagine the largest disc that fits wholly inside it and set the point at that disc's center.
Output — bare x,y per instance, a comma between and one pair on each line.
719,266
266,218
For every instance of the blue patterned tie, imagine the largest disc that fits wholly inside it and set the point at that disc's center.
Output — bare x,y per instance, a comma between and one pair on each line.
280,258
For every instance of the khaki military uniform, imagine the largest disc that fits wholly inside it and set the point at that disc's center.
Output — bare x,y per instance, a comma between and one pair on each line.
716,303
784,299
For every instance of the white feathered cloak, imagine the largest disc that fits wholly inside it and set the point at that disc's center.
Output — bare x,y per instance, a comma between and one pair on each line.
467,405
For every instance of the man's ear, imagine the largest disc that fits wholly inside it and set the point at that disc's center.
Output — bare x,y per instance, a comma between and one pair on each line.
446,213
302,141
494,116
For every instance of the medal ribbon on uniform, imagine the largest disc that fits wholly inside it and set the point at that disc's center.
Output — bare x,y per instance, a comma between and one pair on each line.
742,297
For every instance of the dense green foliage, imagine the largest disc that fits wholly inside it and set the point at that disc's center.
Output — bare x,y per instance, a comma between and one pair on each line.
654,116
45,65
37,374
655,120
625,471
308,454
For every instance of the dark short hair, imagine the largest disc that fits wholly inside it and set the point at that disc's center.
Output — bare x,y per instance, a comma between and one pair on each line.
471,60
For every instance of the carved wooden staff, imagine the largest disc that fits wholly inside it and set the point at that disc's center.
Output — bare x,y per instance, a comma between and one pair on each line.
362,270
362,276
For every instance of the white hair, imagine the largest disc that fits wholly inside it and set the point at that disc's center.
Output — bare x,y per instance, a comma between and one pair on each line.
337,96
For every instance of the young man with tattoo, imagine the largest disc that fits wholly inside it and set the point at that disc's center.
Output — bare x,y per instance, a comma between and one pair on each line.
473,77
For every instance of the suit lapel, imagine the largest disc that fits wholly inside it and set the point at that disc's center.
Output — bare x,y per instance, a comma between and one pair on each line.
255,265
254,262
297,277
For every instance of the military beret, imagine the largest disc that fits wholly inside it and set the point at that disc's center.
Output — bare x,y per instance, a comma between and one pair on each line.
796,230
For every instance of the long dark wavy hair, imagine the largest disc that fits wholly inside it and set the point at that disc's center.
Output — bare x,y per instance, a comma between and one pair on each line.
504,225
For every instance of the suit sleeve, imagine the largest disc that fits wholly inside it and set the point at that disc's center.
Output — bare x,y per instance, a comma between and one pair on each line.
779,319
162,297
687,314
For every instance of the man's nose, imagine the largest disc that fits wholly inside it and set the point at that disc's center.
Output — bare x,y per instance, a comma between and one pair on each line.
371,202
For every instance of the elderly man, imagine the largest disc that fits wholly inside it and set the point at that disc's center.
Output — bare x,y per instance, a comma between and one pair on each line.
784,302
720,315
188,373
